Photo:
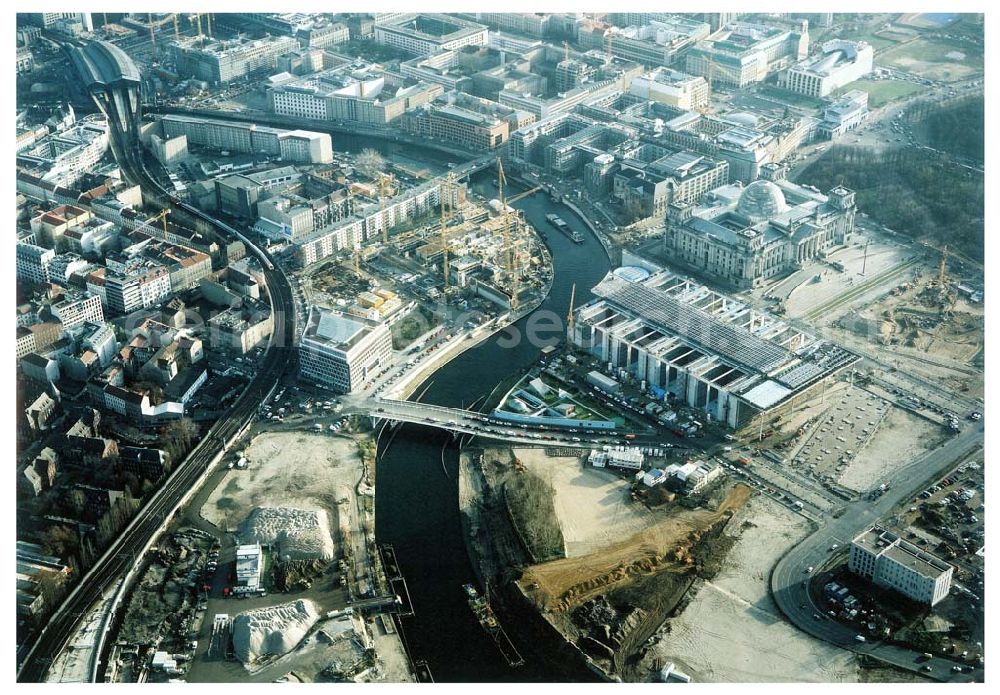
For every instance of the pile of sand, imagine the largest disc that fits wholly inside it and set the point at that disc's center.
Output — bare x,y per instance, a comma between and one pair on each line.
297,534
272,631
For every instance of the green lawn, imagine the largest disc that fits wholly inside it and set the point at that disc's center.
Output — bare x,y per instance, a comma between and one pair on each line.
881,92
929,58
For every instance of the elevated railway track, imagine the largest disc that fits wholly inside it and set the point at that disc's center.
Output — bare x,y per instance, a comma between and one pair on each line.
35,658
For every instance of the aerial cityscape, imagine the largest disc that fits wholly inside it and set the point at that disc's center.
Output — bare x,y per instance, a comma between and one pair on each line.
416,347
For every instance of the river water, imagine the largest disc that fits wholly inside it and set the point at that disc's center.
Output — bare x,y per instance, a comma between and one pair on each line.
417,498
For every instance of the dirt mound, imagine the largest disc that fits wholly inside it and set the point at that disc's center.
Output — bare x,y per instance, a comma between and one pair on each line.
665,547
298,534
272,631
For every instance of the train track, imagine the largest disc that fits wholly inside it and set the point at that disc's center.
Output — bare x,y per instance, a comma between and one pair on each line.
124,552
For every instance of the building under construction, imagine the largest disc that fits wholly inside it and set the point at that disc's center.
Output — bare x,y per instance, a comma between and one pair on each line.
702,348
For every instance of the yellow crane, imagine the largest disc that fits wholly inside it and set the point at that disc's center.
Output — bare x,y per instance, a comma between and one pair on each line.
523,194
569,315
161,217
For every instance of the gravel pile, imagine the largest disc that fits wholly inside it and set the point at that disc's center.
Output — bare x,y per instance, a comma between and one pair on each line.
272,631
296,534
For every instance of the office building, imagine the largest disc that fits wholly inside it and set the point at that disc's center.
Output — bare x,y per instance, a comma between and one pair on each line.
887,560
32,263
745,236
363,96
293,145
838,64
343,353
673,88
469,128
220,62
425,34
78,308
125,293
845,114
64,157
743,53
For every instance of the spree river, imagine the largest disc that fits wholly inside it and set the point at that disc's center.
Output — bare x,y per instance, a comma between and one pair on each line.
417,499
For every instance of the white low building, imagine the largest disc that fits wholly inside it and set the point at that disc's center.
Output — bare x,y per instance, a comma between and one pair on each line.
887,560
617,457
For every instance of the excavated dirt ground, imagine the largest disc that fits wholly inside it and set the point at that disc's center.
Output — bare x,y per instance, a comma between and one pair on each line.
664,547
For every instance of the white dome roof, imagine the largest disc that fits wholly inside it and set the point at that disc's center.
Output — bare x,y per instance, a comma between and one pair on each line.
761,200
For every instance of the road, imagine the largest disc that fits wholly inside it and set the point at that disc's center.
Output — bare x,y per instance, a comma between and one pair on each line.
789,580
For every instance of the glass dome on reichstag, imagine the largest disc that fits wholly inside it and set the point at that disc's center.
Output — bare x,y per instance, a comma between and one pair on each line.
761,200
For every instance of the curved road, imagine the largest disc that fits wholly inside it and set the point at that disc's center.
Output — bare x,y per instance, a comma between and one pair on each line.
790,582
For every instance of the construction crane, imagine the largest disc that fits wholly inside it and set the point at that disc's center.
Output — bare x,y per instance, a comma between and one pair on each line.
569,314
943,267
707,106
152,35
161,217
523,194
386,187
505,219
515,279
445,217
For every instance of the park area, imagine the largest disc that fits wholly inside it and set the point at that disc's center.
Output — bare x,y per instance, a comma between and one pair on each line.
881,92
948,61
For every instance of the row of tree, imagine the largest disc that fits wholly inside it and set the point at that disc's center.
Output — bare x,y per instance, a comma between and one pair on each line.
914,192
956,126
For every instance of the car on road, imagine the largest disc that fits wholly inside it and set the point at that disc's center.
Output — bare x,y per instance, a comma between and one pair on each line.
809,569
859,638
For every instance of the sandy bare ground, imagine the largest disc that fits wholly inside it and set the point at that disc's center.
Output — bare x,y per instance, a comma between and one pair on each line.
665,546
732,631
882,256
592,504
901,437
287,469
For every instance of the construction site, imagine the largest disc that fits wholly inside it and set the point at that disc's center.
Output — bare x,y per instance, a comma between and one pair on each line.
474,253
614,570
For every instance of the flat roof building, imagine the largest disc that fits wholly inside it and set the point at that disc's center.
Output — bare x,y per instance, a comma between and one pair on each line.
424,34
708,350
343,353
887,560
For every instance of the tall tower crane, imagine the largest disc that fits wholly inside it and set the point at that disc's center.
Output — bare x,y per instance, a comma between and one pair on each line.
152,35
386,188
161,217
569,314
446,212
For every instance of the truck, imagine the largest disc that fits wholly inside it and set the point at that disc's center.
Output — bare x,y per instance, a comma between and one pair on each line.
630,436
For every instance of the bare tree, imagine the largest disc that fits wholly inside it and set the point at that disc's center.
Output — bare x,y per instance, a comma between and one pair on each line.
370,162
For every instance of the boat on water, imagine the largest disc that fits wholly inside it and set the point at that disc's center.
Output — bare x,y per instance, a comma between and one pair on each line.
487,619
481,609
560,224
